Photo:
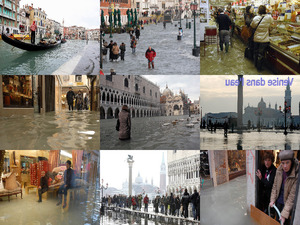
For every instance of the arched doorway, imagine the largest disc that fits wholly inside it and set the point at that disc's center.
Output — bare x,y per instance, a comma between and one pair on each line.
102,113
137,113
110,113
133,113
117,113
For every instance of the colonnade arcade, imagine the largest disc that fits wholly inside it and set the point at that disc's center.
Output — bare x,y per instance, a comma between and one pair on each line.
111,102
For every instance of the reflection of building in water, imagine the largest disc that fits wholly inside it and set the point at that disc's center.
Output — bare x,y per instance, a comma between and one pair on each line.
183,171
173,105
139,94
223,165
28,94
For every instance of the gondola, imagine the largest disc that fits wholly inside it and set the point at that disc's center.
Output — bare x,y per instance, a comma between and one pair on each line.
63,40
28,46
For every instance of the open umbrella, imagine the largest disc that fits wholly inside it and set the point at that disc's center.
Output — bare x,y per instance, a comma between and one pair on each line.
115,17
119,18
102,18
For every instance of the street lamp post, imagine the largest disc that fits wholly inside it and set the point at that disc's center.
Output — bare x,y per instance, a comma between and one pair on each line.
196,50
102,187
286,110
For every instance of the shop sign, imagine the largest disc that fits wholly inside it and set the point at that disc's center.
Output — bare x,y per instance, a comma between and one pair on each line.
79,83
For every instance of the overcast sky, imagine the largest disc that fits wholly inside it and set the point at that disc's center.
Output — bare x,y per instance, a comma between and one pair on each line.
74,12
114,167
189,83
216,97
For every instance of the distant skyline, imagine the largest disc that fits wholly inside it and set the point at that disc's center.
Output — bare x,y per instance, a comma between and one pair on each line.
73,12
114,166
216,97
190,84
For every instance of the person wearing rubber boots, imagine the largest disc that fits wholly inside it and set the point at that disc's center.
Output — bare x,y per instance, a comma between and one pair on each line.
150,55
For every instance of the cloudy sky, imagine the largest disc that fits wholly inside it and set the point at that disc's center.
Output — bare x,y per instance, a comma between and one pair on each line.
189,83
74,12
114,166
216,97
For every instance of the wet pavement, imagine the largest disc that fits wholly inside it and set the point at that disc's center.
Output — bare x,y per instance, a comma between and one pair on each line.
53,130
28,211
229,63
249,140
74,57
227,204
172,56
149,133
113,218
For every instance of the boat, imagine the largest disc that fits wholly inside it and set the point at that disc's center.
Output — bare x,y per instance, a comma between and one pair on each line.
63,40
166,124
181,120
174,122
28,46
194,122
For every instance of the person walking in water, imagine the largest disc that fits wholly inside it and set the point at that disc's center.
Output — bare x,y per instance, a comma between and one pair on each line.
122,49
133,44
70,97
33,28
124,123
150,55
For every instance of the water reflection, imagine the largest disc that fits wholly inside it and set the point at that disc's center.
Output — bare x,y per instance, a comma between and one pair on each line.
53,130
249,140
149,133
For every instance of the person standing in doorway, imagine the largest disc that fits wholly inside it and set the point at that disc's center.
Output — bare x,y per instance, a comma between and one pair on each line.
70,98
33,28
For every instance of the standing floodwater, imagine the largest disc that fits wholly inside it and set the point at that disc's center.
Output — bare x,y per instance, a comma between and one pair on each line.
152,133
82,58
172,56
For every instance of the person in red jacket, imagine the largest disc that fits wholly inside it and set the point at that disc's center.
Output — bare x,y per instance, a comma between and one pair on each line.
150,55
146,201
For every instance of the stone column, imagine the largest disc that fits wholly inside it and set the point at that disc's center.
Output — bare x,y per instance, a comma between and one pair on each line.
240,105
130,164
251,159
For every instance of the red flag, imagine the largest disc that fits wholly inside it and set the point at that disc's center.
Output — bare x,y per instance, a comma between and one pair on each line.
101,72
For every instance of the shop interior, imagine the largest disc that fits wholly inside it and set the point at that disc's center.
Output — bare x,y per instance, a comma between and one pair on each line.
20,178
283,53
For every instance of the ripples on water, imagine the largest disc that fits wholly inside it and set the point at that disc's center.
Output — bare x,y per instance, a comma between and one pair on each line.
173,56
53,130
22,62
149,133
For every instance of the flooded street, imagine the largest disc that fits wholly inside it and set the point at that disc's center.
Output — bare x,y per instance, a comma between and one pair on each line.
28,211
172,56
227,204
229,63
247,141
114,218
149,133
81,58
53,130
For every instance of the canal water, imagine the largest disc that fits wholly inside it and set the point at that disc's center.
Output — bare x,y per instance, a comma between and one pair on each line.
172,56
250,140
115,218
233,62
53,130
21,62
226,204
149,133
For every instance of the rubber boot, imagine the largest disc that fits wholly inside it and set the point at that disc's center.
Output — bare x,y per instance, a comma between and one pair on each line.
226,47
221,47
149,65
152,65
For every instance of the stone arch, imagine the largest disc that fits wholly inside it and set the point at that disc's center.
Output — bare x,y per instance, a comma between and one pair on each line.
133,113
107,97
103,96
137,113
111,97
176,107
126,84
116,98
102,113
117,113
110,113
